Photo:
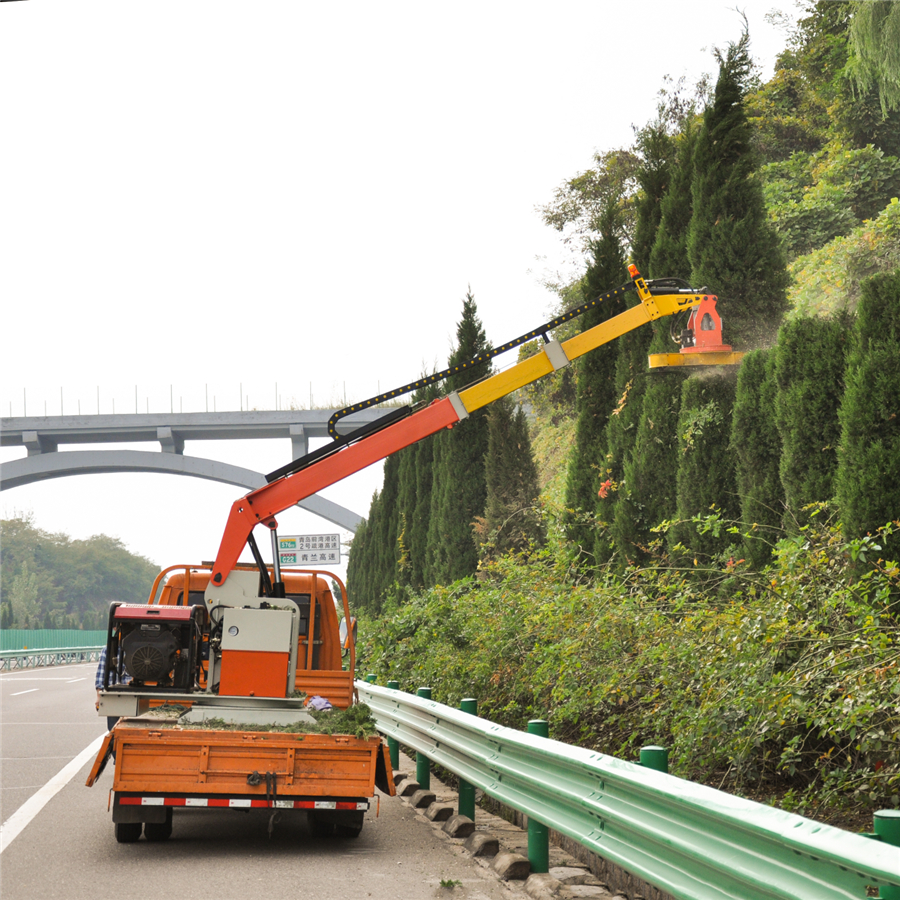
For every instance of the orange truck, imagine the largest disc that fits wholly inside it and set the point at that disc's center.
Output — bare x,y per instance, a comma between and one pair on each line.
217,667
213,712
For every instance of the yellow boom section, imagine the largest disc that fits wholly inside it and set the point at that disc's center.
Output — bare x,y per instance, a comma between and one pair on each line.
555,355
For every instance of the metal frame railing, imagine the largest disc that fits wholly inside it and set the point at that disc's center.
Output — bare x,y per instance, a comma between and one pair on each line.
58,656
689,840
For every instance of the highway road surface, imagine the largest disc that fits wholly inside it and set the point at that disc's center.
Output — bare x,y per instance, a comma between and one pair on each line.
57,837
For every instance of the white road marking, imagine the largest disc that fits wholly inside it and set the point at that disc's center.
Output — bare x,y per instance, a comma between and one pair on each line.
14,825
50,678
29,691
73,680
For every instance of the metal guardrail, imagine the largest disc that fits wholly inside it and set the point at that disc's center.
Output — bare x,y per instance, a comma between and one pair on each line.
33,659
689,840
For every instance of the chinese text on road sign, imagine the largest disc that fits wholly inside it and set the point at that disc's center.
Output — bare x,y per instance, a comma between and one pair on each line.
309,549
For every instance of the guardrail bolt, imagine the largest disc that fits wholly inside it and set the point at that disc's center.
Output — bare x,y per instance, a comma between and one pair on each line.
887,829
654,757
538,834
423,763
371,678
466,790
393,743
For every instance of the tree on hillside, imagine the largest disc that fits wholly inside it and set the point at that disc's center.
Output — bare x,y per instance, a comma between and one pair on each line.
809,373
756,447
731,246
595,397
706,474
868,474
875,38
647,494
657,151
360,563
512,521
458,490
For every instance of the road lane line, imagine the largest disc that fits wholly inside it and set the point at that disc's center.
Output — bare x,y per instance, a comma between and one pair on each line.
29,691
14,825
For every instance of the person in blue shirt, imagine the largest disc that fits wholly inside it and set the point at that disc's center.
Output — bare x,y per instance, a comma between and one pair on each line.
117,674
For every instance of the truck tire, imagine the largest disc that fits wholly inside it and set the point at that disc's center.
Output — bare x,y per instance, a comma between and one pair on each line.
348,831
127,832
159,831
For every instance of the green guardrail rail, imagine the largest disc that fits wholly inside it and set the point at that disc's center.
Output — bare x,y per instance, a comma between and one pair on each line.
692,841
49,656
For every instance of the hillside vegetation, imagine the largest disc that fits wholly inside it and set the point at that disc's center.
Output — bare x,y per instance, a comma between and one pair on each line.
705,561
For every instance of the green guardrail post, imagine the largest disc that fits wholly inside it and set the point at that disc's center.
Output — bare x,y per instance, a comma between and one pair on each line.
654,757
538,834
423,764
466,790
887,829
371,679
393,743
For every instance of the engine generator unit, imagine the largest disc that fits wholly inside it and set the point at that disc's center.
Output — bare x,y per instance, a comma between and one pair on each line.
153,647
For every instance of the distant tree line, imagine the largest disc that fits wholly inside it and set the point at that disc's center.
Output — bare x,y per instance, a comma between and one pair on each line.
51,581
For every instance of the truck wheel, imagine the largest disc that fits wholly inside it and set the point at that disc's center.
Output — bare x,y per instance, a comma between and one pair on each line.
159,831
348,831
127,832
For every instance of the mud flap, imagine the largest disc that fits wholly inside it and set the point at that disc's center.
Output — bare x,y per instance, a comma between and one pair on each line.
384,772
106,750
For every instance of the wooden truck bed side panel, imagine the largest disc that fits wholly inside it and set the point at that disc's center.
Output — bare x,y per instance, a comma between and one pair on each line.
218,762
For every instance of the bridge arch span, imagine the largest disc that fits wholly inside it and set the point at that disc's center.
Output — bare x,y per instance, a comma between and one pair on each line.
45,466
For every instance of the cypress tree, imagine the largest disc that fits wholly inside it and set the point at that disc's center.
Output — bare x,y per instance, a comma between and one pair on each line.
511,521
868,475
809,373
385,534
647,496
756,447
459,489
731,246
706,474
669,256
595,392
414,500
657,149
358,564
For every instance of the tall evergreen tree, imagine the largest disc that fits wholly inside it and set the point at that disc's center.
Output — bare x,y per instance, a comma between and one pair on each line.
647,494
756,448
359,563
731,245
868,475
669,256
459,490
595,397
387,530
706,473
809,373
657,150
414,500
511,521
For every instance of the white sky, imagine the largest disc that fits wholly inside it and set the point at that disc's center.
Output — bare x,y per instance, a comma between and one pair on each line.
283,199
